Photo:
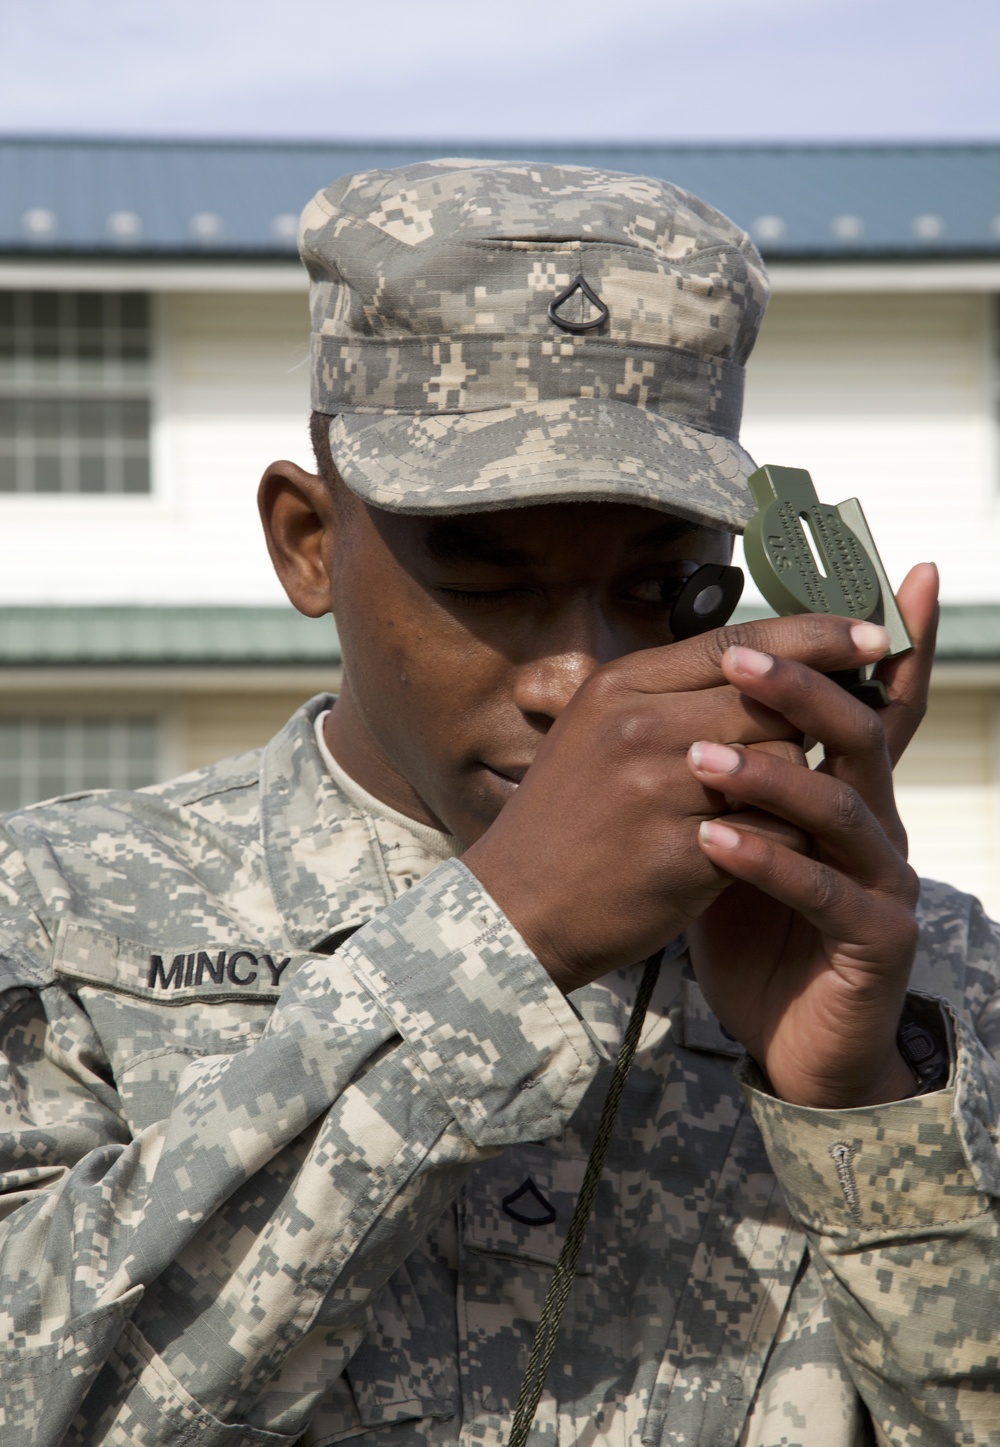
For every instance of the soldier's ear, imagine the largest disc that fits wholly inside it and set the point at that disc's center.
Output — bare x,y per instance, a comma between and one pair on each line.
298,516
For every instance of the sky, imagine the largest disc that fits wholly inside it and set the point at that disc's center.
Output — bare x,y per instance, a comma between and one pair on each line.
524,70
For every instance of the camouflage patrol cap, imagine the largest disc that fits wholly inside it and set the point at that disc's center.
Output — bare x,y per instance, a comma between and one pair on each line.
491,334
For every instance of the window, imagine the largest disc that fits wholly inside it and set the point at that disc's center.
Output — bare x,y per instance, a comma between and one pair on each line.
43,757
74,392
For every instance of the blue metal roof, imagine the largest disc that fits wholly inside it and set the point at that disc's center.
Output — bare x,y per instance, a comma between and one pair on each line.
238,198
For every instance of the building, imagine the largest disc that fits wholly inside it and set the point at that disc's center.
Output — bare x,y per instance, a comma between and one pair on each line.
153,346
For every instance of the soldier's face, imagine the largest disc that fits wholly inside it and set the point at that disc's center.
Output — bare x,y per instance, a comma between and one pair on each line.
465,637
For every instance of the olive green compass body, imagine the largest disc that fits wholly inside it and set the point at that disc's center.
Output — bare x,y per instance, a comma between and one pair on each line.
807,556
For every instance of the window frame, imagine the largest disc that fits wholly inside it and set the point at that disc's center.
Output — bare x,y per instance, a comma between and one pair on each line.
145,387
74,778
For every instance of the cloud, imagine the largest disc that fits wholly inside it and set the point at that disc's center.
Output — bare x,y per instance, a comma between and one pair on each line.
529,69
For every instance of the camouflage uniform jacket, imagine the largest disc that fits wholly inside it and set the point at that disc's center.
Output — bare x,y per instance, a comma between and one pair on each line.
293,1122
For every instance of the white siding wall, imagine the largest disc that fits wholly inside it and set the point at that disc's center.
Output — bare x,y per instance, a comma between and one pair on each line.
948,790
891,399
231,394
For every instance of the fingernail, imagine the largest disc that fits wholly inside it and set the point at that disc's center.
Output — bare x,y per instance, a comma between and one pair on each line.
748,660
712,832
869,638
715,758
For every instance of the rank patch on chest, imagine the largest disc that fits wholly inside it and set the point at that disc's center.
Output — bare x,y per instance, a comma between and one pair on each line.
528,1206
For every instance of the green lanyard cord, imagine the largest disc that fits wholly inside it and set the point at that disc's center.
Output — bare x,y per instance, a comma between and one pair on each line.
565,1269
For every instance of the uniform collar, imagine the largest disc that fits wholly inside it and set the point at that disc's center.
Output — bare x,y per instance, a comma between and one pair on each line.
322,857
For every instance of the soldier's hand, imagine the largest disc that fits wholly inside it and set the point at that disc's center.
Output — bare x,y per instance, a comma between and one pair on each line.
596,858
807,959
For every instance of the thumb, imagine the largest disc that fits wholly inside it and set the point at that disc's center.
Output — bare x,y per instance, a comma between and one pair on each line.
907,678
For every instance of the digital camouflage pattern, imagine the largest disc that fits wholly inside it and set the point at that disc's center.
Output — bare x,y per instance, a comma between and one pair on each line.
292,1129
453,389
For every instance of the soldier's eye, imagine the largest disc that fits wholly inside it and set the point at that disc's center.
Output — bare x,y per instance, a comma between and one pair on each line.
661,592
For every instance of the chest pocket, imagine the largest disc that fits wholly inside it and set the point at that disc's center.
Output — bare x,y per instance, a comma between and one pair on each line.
519,1205
513,1217
157,1008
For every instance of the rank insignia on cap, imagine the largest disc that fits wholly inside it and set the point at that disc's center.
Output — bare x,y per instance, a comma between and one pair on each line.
587,291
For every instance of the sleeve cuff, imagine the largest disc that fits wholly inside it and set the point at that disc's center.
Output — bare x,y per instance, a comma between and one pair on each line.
903,1166
495,1036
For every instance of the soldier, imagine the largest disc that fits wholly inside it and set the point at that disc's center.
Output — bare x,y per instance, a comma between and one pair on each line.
303,1054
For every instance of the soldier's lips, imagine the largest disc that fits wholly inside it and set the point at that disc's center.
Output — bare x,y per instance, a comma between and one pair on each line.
507,776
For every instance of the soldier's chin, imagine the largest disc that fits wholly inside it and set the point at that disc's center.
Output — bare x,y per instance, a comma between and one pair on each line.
483,802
